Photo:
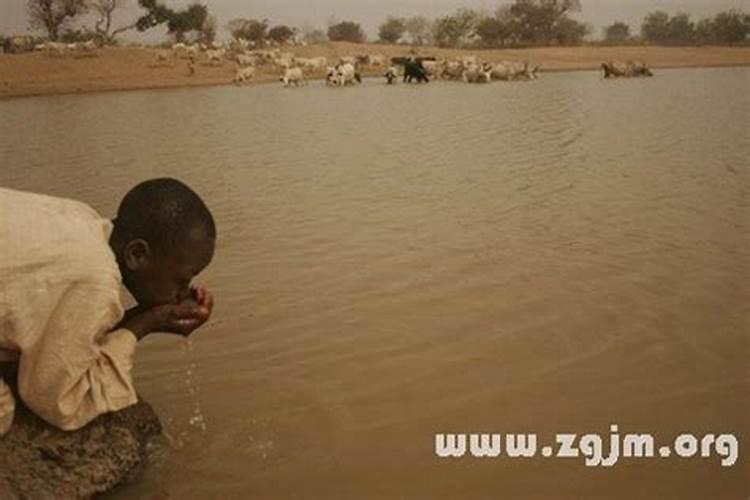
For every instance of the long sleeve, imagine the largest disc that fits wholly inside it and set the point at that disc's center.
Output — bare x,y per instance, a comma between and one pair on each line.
78,369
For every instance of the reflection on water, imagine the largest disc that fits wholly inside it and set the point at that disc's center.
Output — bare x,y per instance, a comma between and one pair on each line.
396,262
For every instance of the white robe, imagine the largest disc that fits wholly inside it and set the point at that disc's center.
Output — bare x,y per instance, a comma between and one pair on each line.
59,301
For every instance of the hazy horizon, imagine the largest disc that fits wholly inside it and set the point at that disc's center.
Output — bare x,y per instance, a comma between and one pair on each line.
598,13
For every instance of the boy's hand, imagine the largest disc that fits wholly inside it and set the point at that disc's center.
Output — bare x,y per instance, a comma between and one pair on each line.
203,297
181,318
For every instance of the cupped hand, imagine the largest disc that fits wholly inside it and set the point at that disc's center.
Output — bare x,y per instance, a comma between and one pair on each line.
181,318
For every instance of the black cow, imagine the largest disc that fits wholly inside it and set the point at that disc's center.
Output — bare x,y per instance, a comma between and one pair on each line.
414,69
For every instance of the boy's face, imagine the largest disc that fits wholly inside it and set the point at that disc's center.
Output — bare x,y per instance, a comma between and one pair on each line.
156,278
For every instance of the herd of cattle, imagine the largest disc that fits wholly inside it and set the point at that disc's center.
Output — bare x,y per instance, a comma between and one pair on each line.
347,70
60,49
469,69
343,72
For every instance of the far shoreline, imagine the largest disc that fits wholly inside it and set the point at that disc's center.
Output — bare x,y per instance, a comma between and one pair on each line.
123,69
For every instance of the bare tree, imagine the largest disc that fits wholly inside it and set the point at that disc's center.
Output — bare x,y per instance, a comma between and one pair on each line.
105,10
53,15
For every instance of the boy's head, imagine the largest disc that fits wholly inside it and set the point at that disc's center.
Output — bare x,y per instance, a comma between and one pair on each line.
163,236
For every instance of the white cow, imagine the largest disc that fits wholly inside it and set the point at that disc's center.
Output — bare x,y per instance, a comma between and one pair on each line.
313,63
215,56
192,50
431,68
451,70
244,74
185,51
51,48
292,76
283,59
88,48
475,73
345,74
469,60
529,72
263,56
514,71
245,60
502,71
162,57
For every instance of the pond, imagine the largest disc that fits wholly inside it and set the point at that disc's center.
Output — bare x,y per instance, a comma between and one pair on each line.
395,262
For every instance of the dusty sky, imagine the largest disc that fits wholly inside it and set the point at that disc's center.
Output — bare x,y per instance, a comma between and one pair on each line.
370,13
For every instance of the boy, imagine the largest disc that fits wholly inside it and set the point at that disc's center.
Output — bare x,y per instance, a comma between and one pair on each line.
61,319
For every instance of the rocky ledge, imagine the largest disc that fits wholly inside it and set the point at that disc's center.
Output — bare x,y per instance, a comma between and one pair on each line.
40,461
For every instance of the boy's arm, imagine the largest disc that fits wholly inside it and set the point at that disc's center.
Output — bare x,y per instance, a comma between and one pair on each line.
77,369
182,318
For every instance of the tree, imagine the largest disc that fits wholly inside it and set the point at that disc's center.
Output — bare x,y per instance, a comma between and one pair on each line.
453,30
731,27
655,27
184,21
249,29
568,31
392,29
618,32
178,22
346,31
546,21
704,31
54,15
311,34
281,33
156,14
490,32
105,9
493,32
680,29
419,30
207,32
659,28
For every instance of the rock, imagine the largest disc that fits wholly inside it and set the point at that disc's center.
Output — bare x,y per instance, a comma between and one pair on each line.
40,461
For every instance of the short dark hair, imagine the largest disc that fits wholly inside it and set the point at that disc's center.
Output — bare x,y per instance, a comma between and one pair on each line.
163,212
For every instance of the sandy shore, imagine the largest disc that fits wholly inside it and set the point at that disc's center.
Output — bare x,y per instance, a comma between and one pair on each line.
132,68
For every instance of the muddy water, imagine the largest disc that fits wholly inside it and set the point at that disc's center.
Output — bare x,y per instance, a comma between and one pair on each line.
556,256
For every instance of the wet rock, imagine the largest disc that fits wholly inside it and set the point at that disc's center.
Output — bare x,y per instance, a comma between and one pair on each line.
40,461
